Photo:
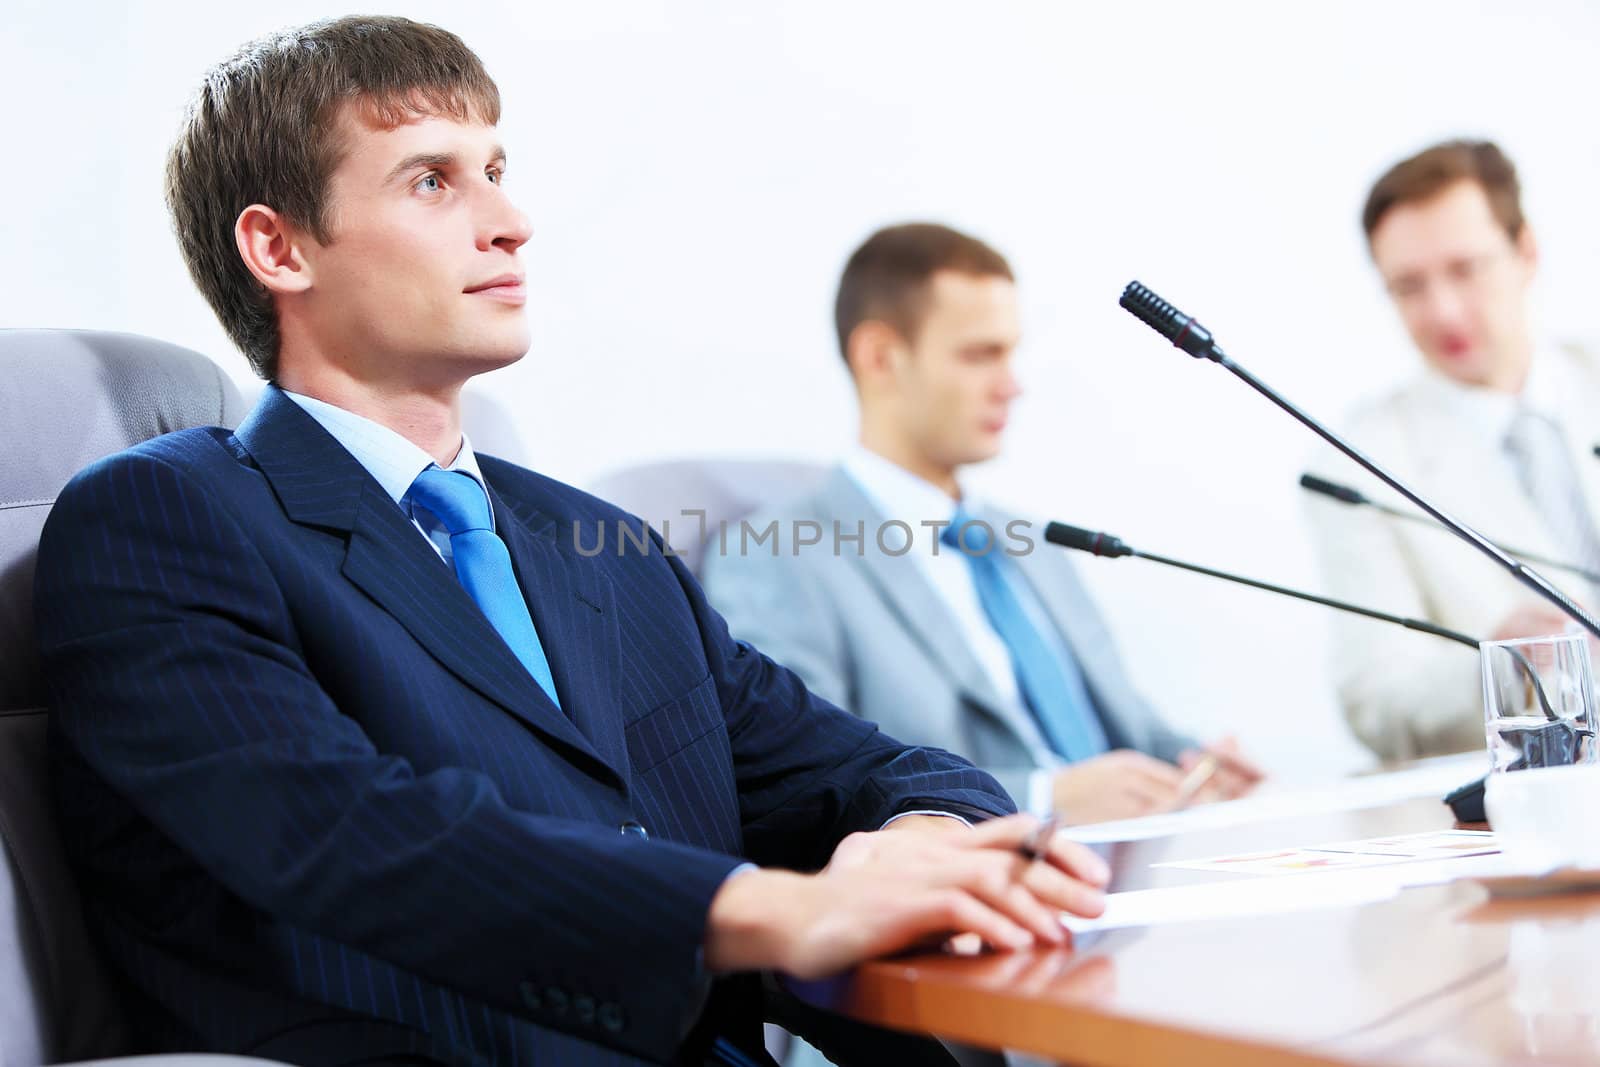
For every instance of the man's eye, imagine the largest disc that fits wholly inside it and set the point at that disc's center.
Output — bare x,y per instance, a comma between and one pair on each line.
428,183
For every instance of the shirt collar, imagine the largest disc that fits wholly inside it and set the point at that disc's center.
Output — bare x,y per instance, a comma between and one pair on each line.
899,494
391,459
1492,410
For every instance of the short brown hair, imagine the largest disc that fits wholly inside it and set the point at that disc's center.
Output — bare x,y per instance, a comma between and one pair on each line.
1434,169
263,129
886,279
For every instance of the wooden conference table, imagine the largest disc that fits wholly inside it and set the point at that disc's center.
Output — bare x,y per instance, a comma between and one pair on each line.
1439,976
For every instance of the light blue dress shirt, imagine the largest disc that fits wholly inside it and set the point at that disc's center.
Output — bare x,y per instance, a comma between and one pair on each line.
393,461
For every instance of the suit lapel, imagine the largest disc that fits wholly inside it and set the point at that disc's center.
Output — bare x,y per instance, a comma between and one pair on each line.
904,587
574,609
321,484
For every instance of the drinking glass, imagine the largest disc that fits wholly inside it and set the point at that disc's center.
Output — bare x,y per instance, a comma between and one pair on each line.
1538,701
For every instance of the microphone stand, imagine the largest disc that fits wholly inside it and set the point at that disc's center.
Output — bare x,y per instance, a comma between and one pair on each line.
1187,334
1355,498
1103,544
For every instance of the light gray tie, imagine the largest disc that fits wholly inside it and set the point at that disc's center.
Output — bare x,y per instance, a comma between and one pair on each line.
1538,450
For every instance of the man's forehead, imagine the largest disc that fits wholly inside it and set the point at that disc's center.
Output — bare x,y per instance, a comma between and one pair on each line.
966,322
1458,217
958,294
961,288
363,133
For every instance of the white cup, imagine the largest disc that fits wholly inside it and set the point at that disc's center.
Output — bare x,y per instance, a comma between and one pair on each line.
1547,817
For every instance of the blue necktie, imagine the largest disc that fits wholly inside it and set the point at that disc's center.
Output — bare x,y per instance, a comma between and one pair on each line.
1051,682
483,566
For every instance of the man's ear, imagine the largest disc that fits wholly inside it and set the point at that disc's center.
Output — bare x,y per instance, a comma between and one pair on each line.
873,351
270,248
1528,249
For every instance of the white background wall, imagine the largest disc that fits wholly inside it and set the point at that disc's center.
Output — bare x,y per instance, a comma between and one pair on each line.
698,171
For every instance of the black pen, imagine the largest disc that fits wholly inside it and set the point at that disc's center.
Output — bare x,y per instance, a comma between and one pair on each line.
1036,846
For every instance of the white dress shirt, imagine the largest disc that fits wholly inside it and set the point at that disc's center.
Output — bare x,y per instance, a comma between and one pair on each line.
898,494
1491,411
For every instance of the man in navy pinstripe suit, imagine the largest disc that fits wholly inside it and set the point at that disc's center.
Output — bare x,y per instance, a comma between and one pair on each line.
327,803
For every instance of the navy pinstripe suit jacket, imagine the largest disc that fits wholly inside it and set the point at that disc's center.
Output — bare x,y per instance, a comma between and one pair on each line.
320,811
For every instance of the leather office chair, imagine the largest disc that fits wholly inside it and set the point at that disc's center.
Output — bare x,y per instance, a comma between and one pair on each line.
725,489
67,397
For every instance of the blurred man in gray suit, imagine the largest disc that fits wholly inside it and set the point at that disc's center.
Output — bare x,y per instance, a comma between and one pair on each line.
908,602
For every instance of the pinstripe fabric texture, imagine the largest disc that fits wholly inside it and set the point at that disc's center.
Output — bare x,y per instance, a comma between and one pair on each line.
321,813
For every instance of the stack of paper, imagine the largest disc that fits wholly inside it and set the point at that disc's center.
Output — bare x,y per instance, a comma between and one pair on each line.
1433,778
1343,855
1253,897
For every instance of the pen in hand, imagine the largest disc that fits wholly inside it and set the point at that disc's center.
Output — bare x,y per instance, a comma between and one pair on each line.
1036,846
1196,779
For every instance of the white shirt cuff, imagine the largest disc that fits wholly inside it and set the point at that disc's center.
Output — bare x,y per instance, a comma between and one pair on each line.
1041,792
945,814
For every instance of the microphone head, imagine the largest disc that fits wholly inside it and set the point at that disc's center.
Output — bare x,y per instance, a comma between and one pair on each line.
1182,330
1091,541
1333,489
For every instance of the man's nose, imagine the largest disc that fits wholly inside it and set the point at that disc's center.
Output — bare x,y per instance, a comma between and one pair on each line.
1443,306
501,223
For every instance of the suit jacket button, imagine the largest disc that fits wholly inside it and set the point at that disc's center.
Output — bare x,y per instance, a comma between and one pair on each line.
583,1009
611,1017
530,997
631,827
556,1000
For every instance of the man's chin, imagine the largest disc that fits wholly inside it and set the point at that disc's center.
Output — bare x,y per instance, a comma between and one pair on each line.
980,452
1466,369
491,353
989,445
506,358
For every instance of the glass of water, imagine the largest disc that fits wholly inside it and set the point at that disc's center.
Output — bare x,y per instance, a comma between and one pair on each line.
1538,701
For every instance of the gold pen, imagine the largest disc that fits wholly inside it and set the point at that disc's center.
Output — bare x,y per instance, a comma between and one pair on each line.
1201,773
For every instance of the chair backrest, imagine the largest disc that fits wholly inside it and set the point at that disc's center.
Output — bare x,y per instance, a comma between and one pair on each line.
67,398
725,489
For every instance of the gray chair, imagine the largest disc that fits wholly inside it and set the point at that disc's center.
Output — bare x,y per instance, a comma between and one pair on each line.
67,398
725,489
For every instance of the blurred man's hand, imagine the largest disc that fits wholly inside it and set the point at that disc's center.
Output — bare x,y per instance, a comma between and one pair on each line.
1118,785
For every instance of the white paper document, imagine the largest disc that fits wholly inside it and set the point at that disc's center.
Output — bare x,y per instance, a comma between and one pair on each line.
1431,778
1254,897
1346,855
1249,898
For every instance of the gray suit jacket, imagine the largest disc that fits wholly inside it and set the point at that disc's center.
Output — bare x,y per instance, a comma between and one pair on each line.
868,632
